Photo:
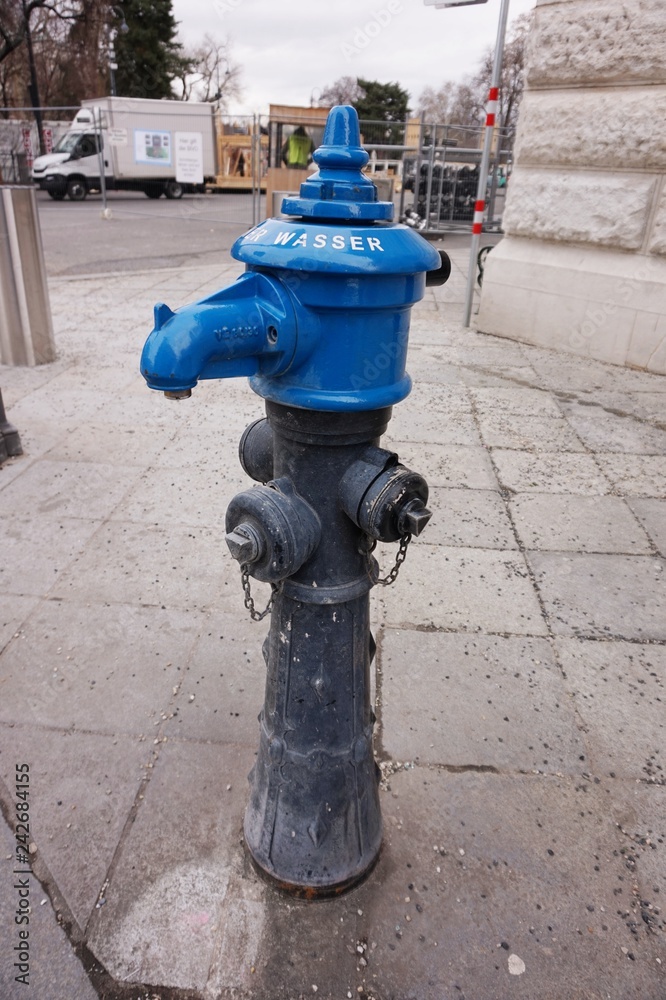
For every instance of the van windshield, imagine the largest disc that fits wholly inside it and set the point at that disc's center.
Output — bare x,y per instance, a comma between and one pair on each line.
67,143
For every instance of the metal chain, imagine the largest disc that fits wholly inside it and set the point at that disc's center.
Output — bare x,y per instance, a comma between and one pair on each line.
255,615
391,577
385,581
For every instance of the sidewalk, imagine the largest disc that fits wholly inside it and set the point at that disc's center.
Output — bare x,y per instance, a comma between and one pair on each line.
521,680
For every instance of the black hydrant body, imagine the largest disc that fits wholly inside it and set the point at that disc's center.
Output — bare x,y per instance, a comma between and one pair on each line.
313,821
320,323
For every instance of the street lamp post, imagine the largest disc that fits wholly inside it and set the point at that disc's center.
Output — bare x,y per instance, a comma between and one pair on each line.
480,204
33,88
113,34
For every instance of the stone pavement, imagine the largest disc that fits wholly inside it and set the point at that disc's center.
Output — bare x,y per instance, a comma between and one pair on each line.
520,681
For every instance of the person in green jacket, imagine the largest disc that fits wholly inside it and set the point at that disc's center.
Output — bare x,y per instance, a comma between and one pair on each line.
298,149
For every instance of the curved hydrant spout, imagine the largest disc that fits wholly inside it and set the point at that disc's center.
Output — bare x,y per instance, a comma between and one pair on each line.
248,328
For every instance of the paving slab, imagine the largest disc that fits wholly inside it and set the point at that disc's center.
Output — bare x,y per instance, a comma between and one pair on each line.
652,515
55,971
518,432
453,466
184,567
635,475
640,813
68,407
517,400
165,901
77,814
556,472
603,431
567,373
69,489
469,590
102,668
456,428
170,496
13,612
473,518
482,701
484,894
610,596
36,552
125,446
222,692
487,377
619,690
561,523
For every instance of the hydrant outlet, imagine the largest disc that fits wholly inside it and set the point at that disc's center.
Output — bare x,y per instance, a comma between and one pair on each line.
287,526
256,451
385,499
179,394
415,515
245,544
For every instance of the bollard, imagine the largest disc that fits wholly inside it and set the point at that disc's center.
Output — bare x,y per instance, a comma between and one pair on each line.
319,322
10,442
26,327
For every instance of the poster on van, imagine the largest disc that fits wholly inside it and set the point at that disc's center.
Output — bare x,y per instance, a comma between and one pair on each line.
189,158
152,147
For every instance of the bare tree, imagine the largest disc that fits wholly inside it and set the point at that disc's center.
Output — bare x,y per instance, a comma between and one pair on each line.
346,90
211,73
513,72
436,105
463,104
15,17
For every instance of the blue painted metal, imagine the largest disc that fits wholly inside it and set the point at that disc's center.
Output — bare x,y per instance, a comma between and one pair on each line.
321,319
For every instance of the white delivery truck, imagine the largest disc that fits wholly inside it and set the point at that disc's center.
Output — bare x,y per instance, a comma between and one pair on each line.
158,147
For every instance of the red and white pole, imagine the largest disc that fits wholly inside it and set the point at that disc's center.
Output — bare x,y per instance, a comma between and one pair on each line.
480,203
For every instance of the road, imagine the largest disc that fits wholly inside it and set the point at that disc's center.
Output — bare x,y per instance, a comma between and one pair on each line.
146,235
140,233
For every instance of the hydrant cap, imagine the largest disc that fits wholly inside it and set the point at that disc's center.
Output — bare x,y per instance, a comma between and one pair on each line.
339,190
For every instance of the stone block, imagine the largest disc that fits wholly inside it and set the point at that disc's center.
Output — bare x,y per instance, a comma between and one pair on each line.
588,128
590,207
597,303
658,235
597,41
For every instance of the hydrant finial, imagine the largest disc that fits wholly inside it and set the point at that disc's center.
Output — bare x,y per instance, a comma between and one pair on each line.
339,190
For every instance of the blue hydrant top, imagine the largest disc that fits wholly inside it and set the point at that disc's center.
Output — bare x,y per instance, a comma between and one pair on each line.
339,190
320,319
338,225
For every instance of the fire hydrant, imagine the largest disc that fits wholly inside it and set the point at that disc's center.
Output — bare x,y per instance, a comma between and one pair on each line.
319,322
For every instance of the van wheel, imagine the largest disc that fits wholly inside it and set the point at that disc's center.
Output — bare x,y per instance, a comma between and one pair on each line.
57,195
153,191
173,190
76,190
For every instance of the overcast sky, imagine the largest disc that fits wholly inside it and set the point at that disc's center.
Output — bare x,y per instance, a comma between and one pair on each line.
291,49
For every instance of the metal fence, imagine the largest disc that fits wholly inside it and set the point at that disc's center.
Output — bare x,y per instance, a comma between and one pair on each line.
429,169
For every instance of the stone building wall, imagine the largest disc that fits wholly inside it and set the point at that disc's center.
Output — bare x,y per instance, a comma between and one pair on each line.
583,265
